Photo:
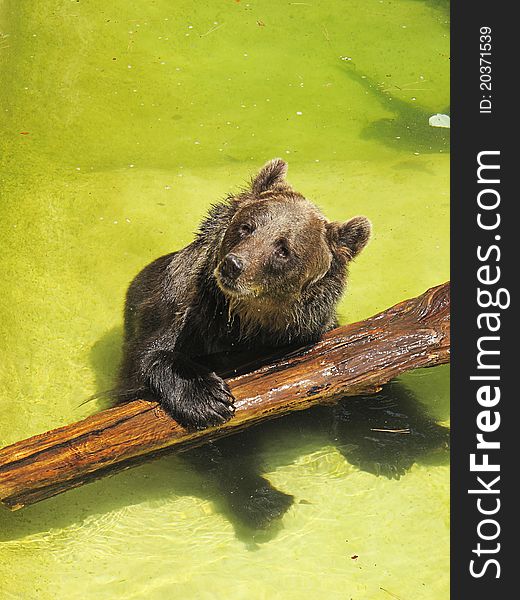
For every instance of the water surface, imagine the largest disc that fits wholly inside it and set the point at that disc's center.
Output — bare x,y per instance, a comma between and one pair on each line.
121,123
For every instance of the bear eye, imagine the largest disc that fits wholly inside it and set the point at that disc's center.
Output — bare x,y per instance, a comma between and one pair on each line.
282,252
245,229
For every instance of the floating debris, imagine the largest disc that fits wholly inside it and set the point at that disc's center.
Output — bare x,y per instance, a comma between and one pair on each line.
439,120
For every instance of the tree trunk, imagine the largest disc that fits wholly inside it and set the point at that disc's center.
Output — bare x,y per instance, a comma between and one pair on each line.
350,360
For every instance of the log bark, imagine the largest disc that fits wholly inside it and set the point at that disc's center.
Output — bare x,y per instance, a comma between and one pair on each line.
357,358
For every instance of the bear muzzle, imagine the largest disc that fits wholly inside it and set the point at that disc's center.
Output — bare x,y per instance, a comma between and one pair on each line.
231,267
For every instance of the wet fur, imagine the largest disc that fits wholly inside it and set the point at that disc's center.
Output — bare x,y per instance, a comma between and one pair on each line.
179,308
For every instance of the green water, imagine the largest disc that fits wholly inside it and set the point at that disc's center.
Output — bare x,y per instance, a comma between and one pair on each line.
120,123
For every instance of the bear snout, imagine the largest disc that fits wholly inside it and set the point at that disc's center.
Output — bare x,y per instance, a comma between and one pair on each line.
231,267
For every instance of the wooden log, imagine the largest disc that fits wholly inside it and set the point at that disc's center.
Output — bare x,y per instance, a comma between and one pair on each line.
349,360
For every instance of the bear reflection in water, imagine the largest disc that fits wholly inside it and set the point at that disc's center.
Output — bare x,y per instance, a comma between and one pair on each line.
383,434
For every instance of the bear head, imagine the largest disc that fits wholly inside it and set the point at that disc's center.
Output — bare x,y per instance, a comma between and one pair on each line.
279,244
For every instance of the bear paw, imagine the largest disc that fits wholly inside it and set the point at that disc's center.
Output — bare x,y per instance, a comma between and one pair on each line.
201,402
260,505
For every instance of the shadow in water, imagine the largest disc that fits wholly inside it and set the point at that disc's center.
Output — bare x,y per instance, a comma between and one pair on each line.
441,5
105,357
384,434
409,128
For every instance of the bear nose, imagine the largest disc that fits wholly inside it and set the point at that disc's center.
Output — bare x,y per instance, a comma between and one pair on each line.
232,266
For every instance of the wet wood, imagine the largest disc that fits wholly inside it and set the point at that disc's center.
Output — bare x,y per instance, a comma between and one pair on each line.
349,360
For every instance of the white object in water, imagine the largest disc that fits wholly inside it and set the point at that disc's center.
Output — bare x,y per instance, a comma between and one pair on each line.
439,120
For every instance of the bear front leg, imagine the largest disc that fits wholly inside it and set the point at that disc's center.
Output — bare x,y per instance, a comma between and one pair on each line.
233,465
255,501
194,396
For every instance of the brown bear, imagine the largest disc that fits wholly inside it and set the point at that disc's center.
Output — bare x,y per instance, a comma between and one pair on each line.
266,269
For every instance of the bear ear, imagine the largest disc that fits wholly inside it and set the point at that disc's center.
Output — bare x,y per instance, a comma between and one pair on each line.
271,174
352,235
